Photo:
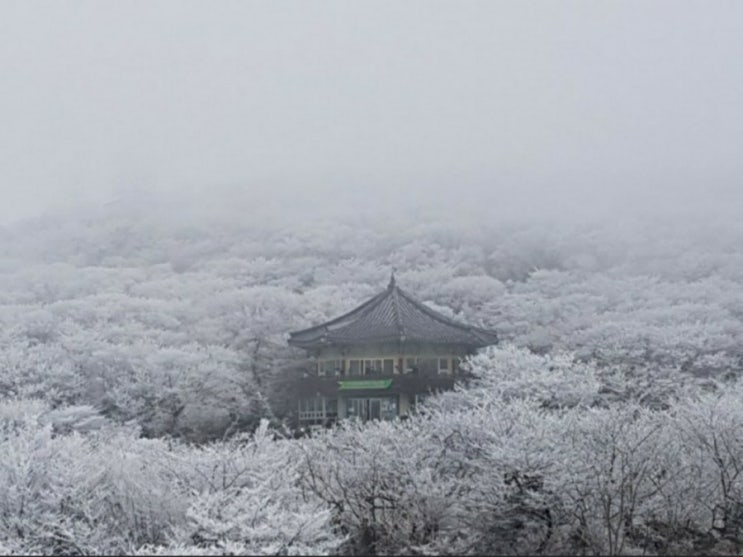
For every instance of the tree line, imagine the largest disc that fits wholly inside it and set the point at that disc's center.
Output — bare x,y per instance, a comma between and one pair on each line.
144,405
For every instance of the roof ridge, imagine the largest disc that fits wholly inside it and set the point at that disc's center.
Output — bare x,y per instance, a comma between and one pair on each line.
396,309
357,310
432,313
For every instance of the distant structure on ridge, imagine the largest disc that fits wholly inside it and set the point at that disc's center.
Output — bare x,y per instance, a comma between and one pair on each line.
381,359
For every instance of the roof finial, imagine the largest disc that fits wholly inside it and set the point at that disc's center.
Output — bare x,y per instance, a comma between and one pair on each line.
391,285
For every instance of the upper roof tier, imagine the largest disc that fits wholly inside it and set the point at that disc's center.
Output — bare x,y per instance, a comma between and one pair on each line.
392,316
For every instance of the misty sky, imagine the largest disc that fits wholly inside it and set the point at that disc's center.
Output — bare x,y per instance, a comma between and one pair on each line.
581,102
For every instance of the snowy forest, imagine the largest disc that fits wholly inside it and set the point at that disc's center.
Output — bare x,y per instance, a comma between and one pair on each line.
144,370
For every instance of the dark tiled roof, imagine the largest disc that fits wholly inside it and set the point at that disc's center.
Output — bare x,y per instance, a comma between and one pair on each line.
392,316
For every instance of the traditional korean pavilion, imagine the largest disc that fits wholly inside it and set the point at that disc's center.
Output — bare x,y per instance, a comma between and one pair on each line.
379,360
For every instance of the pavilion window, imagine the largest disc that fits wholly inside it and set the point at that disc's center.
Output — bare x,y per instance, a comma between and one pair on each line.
443,365
388,410
310,404
312,408
428,365
354,367
330,367
376,366
371,366
372,408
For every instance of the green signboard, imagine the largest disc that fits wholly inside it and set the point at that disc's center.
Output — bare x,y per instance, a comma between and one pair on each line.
367,384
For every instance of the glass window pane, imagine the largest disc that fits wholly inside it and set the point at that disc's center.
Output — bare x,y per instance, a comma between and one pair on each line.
428,365
388,408
330,367
354,367
358,408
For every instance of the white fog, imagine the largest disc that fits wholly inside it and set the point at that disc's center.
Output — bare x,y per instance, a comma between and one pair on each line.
370,278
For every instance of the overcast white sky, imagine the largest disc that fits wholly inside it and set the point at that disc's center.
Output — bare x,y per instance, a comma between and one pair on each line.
592,102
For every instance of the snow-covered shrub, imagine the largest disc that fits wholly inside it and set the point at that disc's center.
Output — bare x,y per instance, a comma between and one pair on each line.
244,496
383,484
606,470
706,492
506,372
454,481
106,493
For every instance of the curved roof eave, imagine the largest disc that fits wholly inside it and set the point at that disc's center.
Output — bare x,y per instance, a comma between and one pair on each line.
383,317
